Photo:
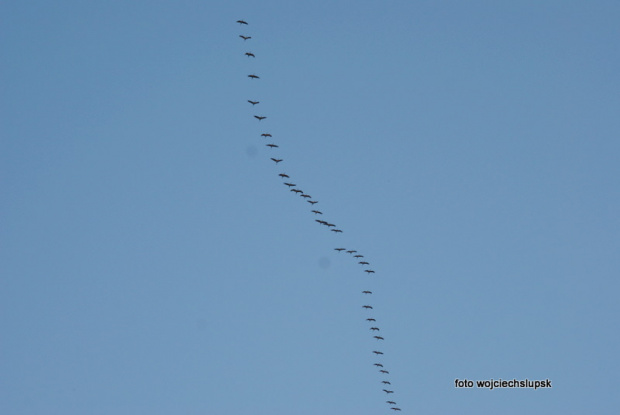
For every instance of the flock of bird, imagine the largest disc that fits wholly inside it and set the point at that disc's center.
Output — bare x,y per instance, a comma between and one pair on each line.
332,227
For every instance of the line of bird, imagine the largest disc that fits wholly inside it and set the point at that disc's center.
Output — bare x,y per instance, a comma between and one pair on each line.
332,227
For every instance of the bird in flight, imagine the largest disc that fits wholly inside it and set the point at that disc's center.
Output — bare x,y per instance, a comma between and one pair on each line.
369,271
318,212
276,160
366,292
265,135
358,256
330,225
368,307
385,382
242,22
391,402
290,184
378,365
248,54
253,76
253,102
259,118
312,202
363,263
377,352
370,319
339,249
384,371
378,337
305,196
351,252
395,409
245,37
336,230
387,391
297,190
271,145
283,175
374,328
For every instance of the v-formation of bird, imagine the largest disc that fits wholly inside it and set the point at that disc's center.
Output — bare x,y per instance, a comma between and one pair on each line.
327,224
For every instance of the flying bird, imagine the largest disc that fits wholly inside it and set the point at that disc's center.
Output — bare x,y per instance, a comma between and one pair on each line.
358,256
283,175
369,271
378,337
384,371
331,225
370,319
312,202
265,135
253,102
396,409
248,54
245,37
366,292
351,252
272,145
367,307
363,263
385,382
336,230
374,328
322,222
378,365
276,160
391,402
297,190
387,391
318,212
253,76
242,22
290,184
377,352
305,196
258,117
339,249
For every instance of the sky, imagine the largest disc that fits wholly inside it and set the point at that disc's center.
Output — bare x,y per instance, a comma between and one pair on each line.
152,261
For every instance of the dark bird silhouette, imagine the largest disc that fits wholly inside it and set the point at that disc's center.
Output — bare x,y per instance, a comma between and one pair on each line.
385,382
258,117
272,145
374,328
366,292
242,22
253,76
358,256
331,225
377,352
318,212
276,160
322,222
253,102
369,271
248,54
391,402
369,307
312,202
387,391
245,37
384,371
378,365
283,175
297,190
378,337
339,249
305,196
370,319
351,252
290,184
363,263
265,135
395,409
336,230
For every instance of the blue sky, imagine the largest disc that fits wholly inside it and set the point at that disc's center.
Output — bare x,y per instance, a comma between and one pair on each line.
152,261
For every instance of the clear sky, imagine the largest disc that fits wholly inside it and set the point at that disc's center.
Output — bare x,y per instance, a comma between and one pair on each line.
152,261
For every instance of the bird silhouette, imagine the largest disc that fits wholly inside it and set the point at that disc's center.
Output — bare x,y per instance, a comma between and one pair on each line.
339,249
297,190
317,212
242,22
259,118
253,102
370,319
271,145
385,382
351,252
369,271
377,352
245,37
253,76
387,391
384,371
248,54
391,402
358,256
312,202
395,409
363,263
368,307
336,230
276,160
378,365
290,184
305,196
378,337
283,175
265,135
366,292
374,328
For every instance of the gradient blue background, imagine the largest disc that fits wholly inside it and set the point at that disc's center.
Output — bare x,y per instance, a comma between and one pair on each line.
152,262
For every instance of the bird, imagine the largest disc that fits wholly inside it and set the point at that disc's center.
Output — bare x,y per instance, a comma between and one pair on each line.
363,263
253,102
369,271
391,402
276,160
339,249
378,365
378,337
368,307
242,22
290,184
358,256
370,319
366,292
318,212
385,382
387,391
266,135
331,225
258,117
322,222
297,190
248,54
377,352
305,196
272,145
384,371
253,76
374,328
312,202
245,37
395,409
351,252
283,175
336,230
